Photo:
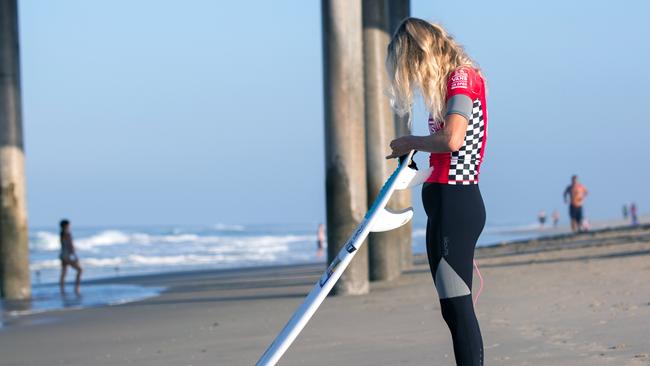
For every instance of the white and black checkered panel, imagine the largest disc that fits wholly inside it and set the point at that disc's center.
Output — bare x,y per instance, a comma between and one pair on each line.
465,161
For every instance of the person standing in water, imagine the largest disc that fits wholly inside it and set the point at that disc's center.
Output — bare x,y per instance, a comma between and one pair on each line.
320,239
423,57
68,257
575,195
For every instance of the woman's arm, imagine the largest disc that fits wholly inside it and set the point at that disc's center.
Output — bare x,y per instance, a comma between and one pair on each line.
449,139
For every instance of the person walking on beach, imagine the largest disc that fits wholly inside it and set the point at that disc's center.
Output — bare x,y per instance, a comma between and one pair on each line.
625,212
541,217
424,57
556,218
575,195
320,239
68,257
634,214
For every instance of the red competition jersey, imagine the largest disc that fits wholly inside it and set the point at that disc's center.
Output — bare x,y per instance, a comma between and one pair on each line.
463,166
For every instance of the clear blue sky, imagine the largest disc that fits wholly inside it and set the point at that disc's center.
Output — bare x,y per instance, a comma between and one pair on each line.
146,112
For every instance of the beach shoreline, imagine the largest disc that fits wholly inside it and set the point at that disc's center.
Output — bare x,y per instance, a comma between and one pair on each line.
553,301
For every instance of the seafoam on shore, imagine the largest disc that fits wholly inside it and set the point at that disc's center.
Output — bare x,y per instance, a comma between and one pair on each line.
123,251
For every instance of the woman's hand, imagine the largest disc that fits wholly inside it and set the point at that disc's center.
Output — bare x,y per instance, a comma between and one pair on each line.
401,146
449,139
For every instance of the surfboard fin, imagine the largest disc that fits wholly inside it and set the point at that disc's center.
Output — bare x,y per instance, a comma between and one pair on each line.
388,220
412,177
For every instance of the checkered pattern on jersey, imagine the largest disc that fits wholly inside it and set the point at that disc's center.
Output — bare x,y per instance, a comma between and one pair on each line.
464,162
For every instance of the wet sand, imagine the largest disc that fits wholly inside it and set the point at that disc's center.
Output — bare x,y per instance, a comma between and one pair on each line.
569,300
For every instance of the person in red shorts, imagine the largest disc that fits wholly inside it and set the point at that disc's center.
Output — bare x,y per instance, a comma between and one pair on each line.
575,195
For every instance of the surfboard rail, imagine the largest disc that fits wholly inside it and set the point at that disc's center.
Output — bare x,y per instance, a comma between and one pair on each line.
377,219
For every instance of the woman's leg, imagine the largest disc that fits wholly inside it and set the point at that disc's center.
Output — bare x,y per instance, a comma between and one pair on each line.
454,230
431,202
77,284
64,267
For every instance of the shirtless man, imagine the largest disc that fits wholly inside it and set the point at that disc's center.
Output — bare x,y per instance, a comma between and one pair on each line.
575,195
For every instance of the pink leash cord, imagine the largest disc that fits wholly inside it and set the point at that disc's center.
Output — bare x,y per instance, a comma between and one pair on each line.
480,288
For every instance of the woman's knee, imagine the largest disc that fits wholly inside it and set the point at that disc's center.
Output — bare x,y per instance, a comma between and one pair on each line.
458,310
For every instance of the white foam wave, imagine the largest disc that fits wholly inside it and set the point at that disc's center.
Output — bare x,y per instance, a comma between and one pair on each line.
48,241
134,260
104,238
187,250
103,262
227,227
44,240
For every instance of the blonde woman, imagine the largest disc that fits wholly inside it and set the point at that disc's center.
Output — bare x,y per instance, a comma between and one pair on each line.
423,57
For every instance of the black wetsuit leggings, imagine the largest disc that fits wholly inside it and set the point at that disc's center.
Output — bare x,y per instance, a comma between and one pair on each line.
456,216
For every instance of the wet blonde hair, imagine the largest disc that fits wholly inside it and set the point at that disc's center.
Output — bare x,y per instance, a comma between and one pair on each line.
421,56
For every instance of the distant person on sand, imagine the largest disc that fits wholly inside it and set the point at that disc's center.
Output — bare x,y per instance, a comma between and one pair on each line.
320,239
556,218
625,213
634,214
575,195
68,257
541,216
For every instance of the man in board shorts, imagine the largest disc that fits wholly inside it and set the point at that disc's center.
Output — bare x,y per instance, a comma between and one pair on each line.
575,195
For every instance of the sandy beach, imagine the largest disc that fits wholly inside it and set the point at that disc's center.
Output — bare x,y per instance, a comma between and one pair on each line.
566,300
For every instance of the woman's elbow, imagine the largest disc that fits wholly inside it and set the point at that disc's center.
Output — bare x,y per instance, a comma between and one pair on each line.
454,144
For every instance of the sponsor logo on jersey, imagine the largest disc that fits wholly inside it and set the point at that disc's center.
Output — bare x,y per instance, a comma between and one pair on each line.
459,79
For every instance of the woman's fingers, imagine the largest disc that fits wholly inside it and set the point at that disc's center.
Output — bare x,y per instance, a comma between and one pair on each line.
399,147
397,153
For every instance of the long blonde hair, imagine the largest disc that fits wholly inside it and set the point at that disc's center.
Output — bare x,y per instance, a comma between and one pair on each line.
422,55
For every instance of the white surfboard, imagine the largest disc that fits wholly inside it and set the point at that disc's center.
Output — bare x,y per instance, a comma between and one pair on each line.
377,219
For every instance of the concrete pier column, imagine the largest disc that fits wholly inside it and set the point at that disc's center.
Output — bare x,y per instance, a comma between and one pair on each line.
14,251
384,249
399,10
344,136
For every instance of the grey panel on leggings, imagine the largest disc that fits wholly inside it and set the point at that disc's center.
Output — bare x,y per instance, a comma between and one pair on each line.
460,104
448,282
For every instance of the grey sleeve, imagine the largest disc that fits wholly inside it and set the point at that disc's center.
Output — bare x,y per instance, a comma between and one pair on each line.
460,104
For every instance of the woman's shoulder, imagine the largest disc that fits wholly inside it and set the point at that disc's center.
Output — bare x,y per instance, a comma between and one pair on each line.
465,73
465,80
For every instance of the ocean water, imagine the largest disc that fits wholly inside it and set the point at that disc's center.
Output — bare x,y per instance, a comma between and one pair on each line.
109,252
46,297
122,251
